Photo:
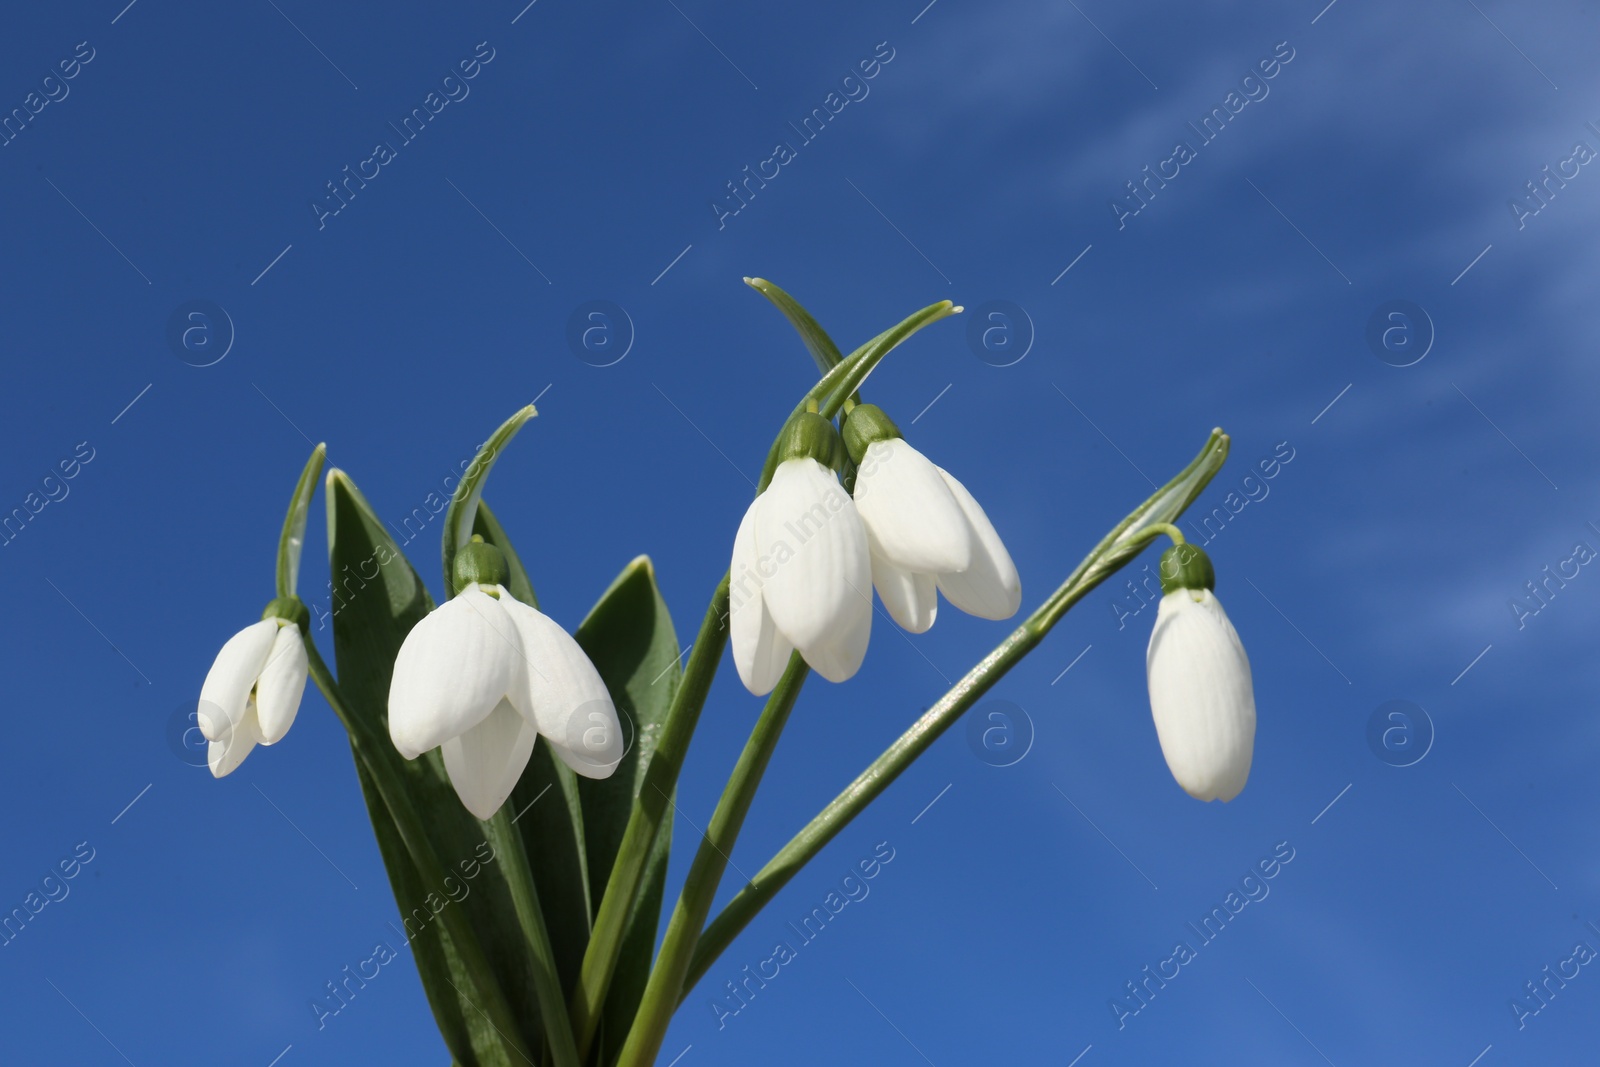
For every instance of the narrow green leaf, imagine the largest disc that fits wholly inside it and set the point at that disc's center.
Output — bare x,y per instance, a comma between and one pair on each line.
547,810
293,538
463,510
816,339
630,638
377,599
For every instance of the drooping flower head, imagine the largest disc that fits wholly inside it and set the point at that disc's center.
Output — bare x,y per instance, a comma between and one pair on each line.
253,690
925,532
484,675
800,576
1200,689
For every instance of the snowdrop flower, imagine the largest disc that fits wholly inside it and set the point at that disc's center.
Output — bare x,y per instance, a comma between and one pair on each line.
801,577
484,675
925,532
1200,689
252,692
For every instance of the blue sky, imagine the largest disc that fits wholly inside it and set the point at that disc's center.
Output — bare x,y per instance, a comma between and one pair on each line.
180,163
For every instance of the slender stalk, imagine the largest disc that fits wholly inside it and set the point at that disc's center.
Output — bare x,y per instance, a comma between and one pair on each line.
495,1008
1115,550
662,993
649,811
530,916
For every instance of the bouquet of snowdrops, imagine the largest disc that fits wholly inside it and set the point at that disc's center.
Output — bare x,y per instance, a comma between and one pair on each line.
462,716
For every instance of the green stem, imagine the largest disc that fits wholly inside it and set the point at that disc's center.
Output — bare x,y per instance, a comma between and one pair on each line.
1156,529
662,993
1114,551
649,811
530,916
465,941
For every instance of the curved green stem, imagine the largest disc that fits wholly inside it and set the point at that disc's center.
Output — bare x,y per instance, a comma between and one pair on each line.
530,916
1156,529
1115,550
649,810
662,993
367,746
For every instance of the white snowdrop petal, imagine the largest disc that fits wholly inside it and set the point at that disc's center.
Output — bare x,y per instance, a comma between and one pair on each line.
837,653
452,670
486,761
233,674
224,754
912,600
990,587
812,549
568,701
1201,695
760,652
915,520
283,682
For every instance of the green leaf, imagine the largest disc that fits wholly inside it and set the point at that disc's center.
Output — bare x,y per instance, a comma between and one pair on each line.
815,338
629,637
458,520
293,538
547,811
377,599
